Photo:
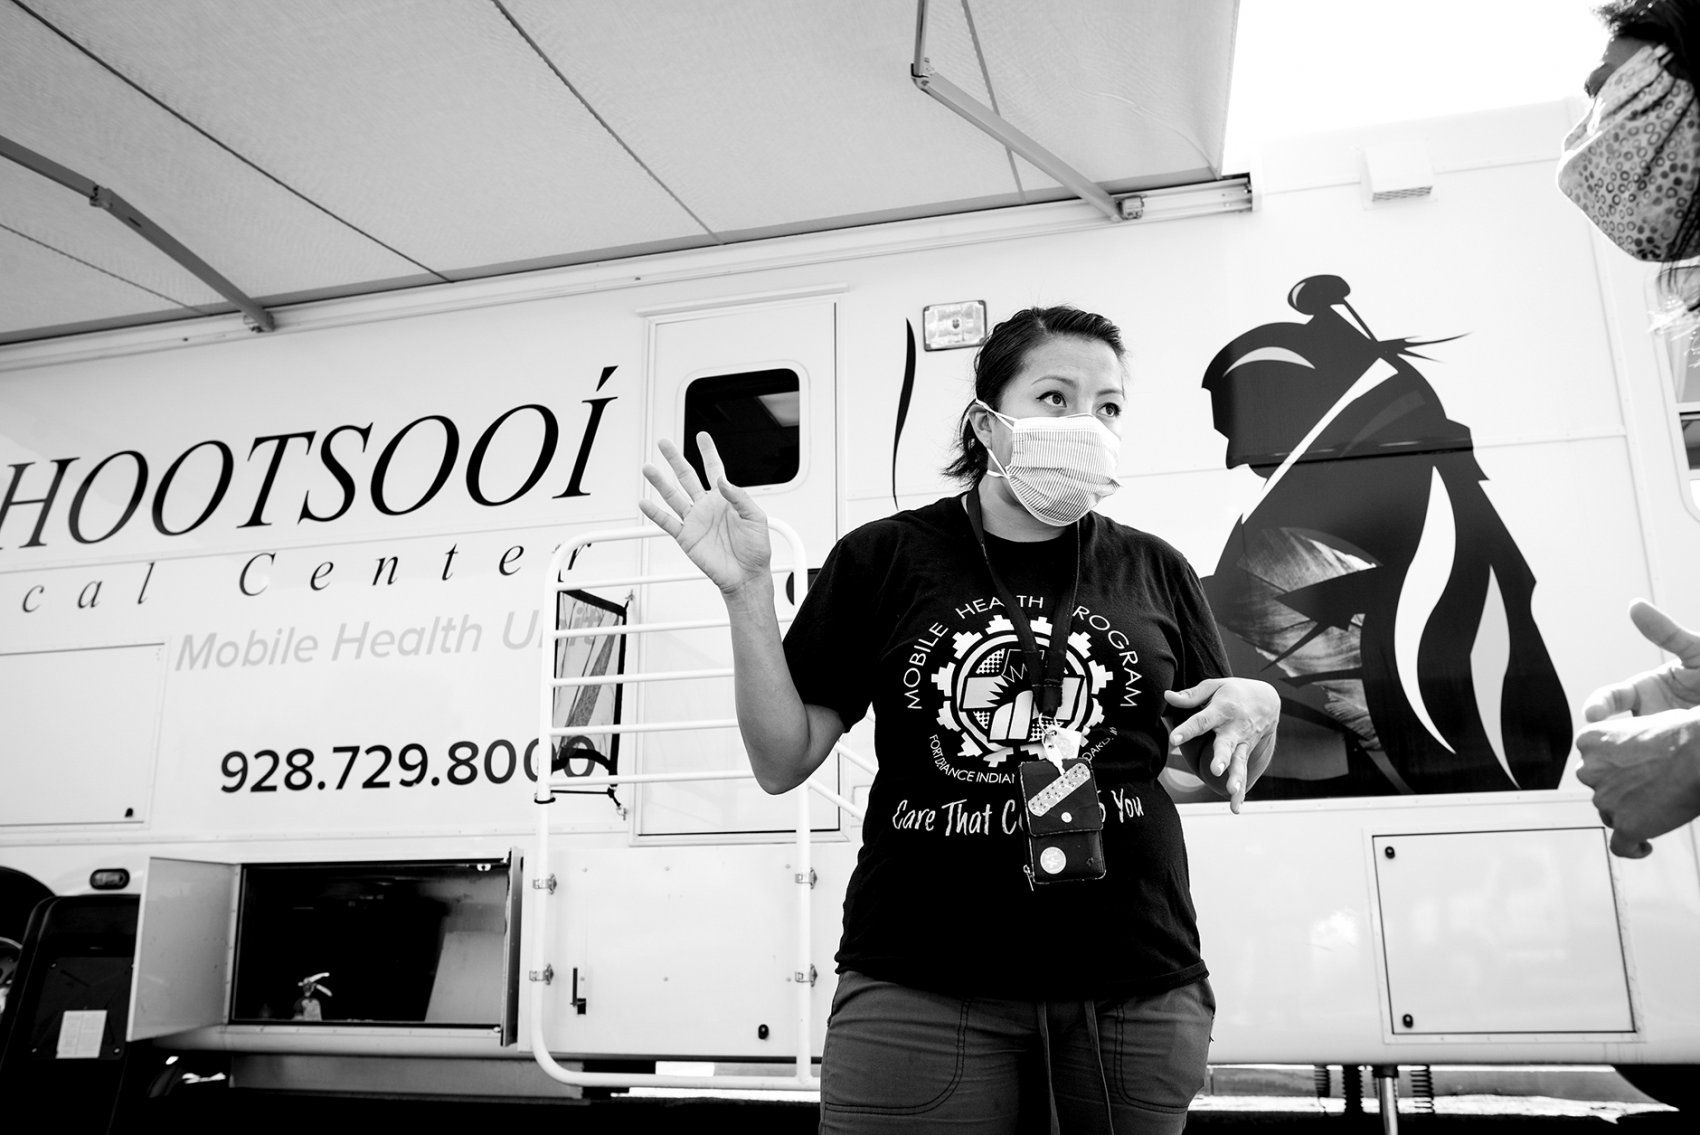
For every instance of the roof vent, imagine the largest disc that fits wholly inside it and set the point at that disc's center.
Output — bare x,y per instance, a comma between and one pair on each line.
1397,171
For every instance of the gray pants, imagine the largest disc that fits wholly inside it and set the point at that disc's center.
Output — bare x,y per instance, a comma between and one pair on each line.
902,1059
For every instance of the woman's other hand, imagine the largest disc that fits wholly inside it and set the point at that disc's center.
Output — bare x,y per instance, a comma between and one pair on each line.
1675,685
1645,768
1242,713
721,528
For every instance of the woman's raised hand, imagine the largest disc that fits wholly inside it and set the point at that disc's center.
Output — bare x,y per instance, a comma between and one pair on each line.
720,528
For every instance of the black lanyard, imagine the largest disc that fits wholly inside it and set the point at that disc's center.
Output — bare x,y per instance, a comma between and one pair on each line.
1044,671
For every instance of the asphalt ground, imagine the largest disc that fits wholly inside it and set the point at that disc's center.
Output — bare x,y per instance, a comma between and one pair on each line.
1267,1100
1486,1115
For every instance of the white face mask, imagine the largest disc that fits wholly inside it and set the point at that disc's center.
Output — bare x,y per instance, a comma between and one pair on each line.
1630,164
1059,468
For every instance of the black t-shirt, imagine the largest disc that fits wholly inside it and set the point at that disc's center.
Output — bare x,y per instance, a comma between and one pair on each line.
904,618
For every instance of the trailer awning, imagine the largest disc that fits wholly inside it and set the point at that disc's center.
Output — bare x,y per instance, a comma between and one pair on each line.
307,149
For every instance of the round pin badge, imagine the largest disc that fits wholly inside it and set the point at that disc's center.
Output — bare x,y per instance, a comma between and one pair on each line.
1052,860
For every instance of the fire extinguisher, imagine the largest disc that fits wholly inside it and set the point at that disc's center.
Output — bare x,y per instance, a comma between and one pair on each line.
307,1006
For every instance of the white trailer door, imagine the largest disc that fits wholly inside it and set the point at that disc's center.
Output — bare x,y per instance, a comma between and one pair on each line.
183,947
761,379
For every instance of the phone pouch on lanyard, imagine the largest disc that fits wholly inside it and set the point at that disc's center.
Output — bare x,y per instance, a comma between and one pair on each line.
1065,821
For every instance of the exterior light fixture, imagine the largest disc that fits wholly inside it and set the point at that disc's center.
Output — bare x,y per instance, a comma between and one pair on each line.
947,326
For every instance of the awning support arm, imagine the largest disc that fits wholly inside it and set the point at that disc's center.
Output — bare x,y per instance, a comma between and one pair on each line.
988,121
103,198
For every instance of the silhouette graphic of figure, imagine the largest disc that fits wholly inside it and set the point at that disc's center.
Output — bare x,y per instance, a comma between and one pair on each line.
1373,583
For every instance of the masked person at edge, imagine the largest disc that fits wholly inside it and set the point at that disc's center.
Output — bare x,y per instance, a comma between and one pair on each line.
999,634
1633,166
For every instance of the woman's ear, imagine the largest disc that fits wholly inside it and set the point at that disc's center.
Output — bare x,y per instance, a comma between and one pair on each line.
980,421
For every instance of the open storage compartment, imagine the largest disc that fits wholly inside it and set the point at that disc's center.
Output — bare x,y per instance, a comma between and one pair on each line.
321,945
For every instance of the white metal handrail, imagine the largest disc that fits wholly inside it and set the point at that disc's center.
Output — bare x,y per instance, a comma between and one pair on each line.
640,628
803,1078
580,783
657,676
644,727
858,760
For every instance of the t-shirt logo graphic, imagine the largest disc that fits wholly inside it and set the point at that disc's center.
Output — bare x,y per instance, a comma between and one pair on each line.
988,699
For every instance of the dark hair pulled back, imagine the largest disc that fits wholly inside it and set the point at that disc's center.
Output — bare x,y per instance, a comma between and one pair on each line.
1001,358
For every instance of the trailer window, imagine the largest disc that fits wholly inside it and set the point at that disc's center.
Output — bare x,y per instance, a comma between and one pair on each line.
1688,414
1681,337
753,417
1689,418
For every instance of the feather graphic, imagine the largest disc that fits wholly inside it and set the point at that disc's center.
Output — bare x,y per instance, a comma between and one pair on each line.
1425,580
1490,662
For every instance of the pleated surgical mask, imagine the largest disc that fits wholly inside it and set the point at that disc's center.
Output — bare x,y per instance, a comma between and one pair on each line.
1059,468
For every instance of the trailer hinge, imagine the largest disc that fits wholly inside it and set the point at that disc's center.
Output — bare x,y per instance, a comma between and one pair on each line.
810,881
544,884
800,977
545,975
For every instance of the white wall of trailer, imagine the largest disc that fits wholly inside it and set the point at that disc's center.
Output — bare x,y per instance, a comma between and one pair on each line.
139,663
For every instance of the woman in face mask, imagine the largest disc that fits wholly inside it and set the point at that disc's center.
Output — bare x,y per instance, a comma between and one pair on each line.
1633,166
1019,940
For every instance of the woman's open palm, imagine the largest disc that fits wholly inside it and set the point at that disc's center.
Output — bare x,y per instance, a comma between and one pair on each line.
720,528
